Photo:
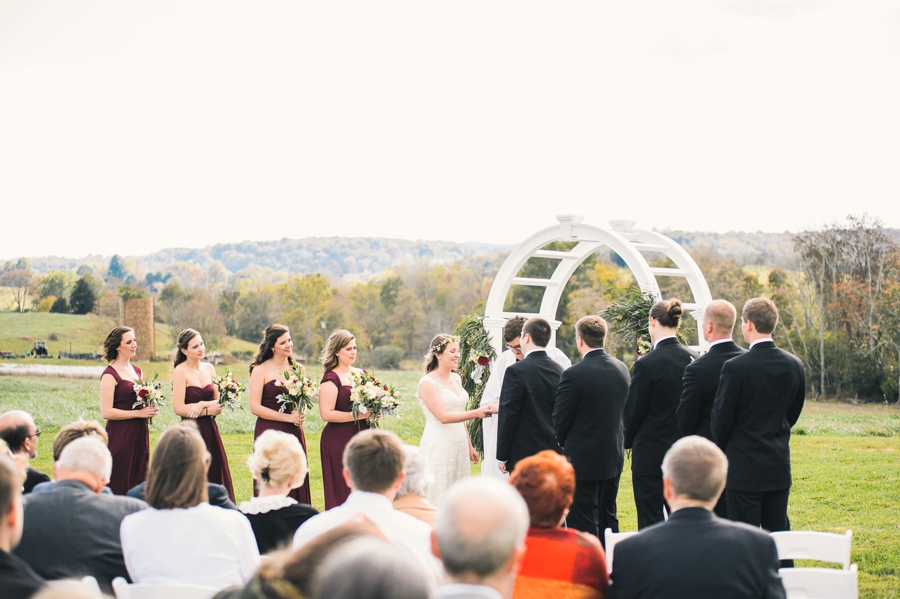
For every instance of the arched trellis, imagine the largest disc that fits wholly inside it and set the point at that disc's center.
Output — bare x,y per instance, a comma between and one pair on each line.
629,243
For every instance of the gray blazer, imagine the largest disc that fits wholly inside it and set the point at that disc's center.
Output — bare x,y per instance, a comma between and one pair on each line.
70,531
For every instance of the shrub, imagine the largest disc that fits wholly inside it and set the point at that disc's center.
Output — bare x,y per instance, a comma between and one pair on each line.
60,306
46,304
83,296
385,356
52,337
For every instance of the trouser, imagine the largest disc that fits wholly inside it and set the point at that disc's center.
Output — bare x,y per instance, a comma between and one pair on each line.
721,509
767,509
594,507
648,498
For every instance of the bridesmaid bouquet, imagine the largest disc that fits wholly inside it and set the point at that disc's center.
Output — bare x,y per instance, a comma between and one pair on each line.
371,399
229,390
148,393
299,390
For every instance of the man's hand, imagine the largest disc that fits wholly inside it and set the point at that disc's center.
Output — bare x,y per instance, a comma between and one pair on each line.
502,467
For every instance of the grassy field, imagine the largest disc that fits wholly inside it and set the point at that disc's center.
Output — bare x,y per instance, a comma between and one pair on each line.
845,462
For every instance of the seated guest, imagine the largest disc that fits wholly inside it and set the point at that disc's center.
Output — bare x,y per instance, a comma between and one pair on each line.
410,499
479,534
370,568
181,538
216,495
17,579
72,530
373,469
67,434
694,553
278,465
556,560
17,428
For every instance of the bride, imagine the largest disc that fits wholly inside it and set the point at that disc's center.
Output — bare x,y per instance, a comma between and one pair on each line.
445,440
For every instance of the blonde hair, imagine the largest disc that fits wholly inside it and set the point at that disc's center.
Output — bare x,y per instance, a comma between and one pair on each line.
276,457
337,341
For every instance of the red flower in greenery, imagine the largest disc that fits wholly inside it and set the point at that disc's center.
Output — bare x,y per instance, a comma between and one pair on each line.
143,393
484,360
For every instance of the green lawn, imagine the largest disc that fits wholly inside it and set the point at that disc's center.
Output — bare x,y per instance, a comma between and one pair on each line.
845,461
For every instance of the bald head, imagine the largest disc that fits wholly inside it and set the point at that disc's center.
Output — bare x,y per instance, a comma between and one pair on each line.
720,315
17,428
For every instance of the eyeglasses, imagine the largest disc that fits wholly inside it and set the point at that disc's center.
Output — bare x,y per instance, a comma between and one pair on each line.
37,433
514,347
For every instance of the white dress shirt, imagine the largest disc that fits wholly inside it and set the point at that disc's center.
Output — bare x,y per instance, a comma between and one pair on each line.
204,545
473,591
657,342
401,529
763,340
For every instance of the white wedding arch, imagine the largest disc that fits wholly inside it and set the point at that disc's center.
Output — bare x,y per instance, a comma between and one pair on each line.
628,242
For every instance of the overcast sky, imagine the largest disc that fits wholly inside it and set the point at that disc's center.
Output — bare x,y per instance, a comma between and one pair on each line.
127,127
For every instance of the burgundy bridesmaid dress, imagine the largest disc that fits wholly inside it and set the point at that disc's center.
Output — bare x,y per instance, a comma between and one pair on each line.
218,465
269,395
334,439
129,440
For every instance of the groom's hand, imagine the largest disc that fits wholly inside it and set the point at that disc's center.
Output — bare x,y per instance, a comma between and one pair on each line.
502,467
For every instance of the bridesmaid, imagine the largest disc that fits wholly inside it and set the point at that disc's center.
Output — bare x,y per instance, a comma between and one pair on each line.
334,407
195,396
129,435
273,357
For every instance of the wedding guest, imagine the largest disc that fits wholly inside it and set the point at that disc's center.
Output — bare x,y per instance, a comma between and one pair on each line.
694,553
649,417
527,399
445,440
759,399
380,571
547,483
217,495
701,377
373,468
181,538
194,395
129,435
67,434
72,530
17,428
480,537
275,356
334,407
278,465
411,498
512,337
17,579
588,422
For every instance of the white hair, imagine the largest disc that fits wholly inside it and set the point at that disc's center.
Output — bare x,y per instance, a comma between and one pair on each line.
418,478
379,570
480,525
87,454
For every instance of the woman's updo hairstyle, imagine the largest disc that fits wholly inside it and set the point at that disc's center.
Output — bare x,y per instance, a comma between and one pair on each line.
667,313
113,341
276,457
265,351
338,340
437,347
184,339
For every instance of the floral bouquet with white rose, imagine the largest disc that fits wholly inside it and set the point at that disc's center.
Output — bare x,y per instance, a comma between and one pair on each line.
148,393
299,391
370,399
229,390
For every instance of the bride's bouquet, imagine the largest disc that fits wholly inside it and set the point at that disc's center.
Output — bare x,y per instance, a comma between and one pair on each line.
299,391
229,390
371,399
148,393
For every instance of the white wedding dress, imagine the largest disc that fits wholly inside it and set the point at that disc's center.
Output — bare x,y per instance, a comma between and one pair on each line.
445,446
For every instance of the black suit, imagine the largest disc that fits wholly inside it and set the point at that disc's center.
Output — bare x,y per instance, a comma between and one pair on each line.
217,495
17,579
650,424
701,380
588,423
32,479
525,423
694,555
760,398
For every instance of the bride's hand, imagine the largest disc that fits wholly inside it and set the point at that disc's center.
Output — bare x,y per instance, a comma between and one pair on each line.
482,412
473,455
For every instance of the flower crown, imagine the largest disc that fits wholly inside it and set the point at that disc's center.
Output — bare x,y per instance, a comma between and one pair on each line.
440,345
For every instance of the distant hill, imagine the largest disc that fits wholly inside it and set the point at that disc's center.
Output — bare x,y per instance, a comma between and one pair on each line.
747,248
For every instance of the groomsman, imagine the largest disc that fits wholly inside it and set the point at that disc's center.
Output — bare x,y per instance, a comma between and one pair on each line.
527,399
512,332
759,399
588,423
701,377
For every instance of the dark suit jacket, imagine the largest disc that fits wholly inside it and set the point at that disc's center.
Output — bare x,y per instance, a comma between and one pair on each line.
17,579
650,423
760,398
70,532
695,555
588,415
32,478
701,380
218,495
525,422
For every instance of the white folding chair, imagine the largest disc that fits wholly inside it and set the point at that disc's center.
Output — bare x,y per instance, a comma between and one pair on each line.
124,590
87,586
820,583
822,546
611,538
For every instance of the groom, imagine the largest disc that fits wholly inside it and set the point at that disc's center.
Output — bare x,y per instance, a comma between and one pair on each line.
527,399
